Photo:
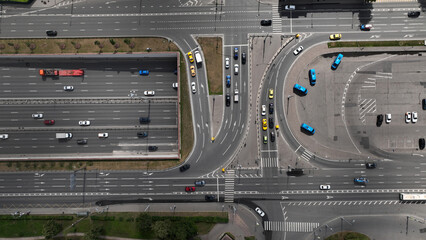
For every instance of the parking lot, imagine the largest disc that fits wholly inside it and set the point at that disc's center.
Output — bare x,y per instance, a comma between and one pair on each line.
108,98
344,104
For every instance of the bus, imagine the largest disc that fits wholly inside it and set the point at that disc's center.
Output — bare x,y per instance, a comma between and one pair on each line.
337,61
412,196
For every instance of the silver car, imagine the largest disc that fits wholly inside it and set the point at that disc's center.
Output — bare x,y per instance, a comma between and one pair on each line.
68,88
260,212
193,87
200,183
37,115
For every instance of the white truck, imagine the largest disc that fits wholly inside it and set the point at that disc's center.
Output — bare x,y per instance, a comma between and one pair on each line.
236,95
63,135
198,57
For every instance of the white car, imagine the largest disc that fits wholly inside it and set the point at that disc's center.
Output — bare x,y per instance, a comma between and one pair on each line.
325,187
84,123
102,135
226,63
259,211
414,117
149,93
236,69
290,7
407,117
297,51
193,87
4,136
388,117
37,115
175,85
263,110
68,88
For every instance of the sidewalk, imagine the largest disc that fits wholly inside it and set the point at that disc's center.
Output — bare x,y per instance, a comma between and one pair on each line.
245,222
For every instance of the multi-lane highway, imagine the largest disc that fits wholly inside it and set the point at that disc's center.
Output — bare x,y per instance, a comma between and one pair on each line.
396,172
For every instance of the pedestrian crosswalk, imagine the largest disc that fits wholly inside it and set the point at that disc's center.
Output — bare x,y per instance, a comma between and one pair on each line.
229,186
290,226
306,155
269,162
276,19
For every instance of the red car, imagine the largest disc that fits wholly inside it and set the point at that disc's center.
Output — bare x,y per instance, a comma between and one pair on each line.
189,189
49,122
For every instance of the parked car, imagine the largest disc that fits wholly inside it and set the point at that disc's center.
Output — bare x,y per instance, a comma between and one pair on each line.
421,143
388,118
414,117
49,122
312,77
184,167
300,89
266,22
259,211
298,50
308,129
424,104
407,117
152,148
379,120
82,141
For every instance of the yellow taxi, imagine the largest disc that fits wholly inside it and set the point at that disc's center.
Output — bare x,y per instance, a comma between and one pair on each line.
271,93
192,71
264,124
191,58
336,36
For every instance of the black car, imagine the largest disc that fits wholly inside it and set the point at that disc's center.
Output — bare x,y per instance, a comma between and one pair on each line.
421,143
424,104
272,137
271,122
152,148
144,120
210,198
371,165
228,100
271,108
243,58
295,172
266,22
82,141
379,120
51,33
414,14
142,134
184,167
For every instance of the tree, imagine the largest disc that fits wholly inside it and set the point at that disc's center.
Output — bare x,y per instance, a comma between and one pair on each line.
161,228
51,229
94,233
183,229
145,222
2,46
16,47
32,46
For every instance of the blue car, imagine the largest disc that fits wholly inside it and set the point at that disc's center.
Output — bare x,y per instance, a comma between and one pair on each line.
228,80
366,27
312,77
337,61
236,53
300,89
307,128
143,72
361,180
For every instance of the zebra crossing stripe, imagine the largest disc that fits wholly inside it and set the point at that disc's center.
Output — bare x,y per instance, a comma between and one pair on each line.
290,226
276,20
229,186
269,162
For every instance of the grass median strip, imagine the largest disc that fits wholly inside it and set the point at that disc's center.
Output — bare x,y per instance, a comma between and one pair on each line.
212,49
377,44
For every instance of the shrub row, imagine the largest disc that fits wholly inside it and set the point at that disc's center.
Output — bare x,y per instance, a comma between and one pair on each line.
36,217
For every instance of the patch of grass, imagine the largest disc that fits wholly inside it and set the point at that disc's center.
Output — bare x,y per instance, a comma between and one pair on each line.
212,49
204,228
348,236
376,44
250,238
25,228
186,130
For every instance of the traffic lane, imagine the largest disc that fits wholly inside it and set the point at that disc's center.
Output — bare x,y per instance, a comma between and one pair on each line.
100,115
24,144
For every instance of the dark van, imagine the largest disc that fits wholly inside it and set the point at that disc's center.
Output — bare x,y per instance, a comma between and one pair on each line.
144,120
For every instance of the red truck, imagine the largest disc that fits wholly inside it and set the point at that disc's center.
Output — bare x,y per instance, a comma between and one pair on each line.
52,72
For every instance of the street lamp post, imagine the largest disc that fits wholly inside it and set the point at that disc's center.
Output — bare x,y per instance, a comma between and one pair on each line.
288,101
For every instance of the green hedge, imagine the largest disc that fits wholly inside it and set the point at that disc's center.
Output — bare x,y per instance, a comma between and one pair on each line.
35,217
102,218
194,219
